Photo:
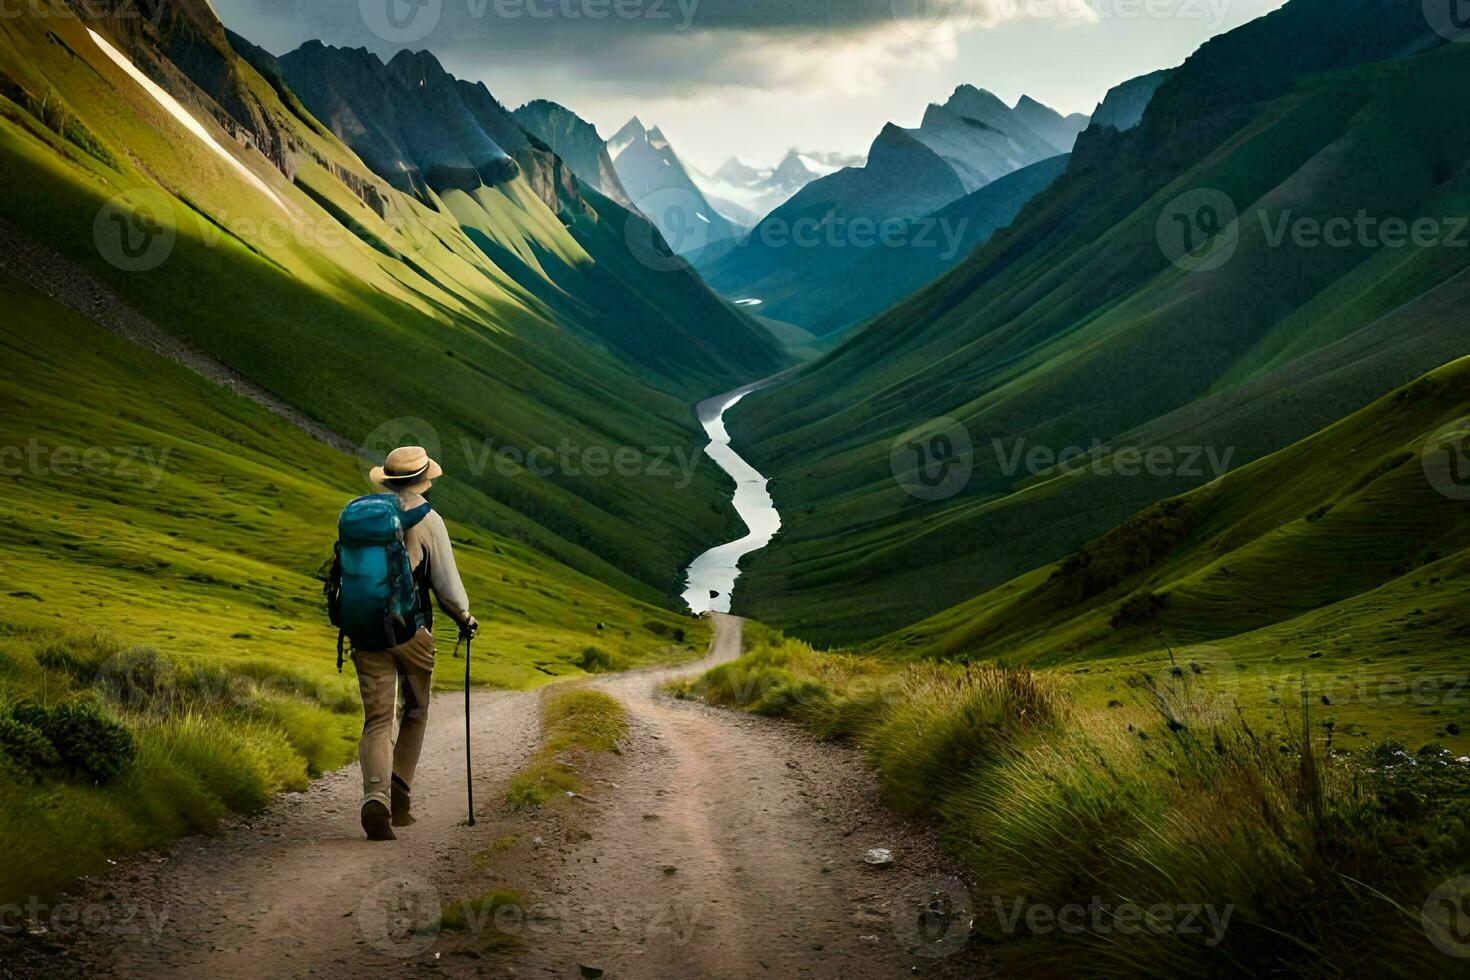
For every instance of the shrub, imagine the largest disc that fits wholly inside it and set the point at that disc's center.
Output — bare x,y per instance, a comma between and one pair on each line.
27,749
596,660
87,741
1137,609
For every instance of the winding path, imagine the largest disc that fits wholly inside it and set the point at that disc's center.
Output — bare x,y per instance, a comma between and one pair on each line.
714,845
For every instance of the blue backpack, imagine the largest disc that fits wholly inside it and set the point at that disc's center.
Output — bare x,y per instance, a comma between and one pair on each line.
372,597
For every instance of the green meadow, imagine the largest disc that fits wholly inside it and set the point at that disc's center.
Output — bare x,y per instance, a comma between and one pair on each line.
182,602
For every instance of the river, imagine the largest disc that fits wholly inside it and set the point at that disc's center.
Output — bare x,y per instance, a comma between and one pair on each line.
710,579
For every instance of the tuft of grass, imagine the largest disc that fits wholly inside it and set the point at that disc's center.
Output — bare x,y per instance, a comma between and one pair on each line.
491,918
575,722
481,859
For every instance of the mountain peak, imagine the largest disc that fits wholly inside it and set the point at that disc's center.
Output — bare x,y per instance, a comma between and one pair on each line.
792,167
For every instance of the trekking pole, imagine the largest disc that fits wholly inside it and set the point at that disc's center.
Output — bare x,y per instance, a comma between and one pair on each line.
469,771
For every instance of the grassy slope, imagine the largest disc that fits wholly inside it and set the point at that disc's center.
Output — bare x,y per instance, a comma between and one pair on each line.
1071,326
1335,558
473,350
214,567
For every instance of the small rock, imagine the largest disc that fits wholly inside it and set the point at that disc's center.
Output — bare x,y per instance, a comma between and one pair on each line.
590,972
878,857
669,869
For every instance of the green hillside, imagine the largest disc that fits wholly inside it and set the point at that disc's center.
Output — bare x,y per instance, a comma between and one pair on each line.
148,520
1341,558
1072,328
484,314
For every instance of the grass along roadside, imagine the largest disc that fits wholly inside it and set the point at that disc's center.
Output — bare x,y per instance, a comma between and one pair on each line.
1186,835
107,748
576,722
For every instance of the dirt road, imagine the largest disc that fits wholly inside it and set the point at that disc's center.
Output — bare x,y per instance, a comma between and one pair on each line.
714,845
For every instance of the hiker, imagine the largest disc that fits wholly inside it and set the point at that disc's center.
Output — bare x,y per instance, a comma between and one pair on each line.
406,662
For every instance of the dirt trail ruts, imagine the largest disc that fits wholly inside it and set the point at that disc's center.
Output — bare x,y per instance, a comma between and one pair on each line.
716,845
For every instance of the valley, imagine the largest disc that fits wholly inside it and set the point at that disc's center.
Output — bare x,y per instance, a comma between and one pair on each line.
950,513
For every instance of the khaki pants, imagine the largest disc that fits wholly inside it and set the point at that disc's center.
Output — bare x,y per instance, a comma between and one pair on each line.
380,676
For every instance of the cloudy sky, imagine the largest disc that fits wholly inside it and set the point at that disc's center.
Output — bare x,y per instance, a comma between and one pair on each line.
755,77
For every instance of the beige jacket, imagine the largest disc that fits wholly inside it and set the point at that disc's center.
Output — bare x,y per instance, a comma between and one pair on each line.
430,538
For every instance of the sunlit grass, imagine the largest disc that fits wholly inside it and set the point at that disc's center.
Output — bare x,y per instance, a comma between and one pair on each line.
575,723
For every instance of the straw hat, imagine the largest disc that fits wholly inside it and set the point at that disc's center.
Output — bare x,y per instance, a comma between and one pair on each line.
409,469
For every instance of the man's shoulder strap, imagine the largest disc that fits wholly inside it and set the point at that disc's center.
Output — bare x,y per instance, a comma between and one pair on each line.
412,518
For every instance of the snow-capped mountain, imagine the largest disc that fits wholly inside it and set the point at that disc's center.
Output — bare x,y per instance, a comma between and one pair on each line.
754,192
663,189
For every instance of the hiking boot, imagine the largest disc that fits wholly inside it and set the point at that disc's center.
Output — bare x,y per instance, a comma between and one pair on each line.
402,803
377,821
